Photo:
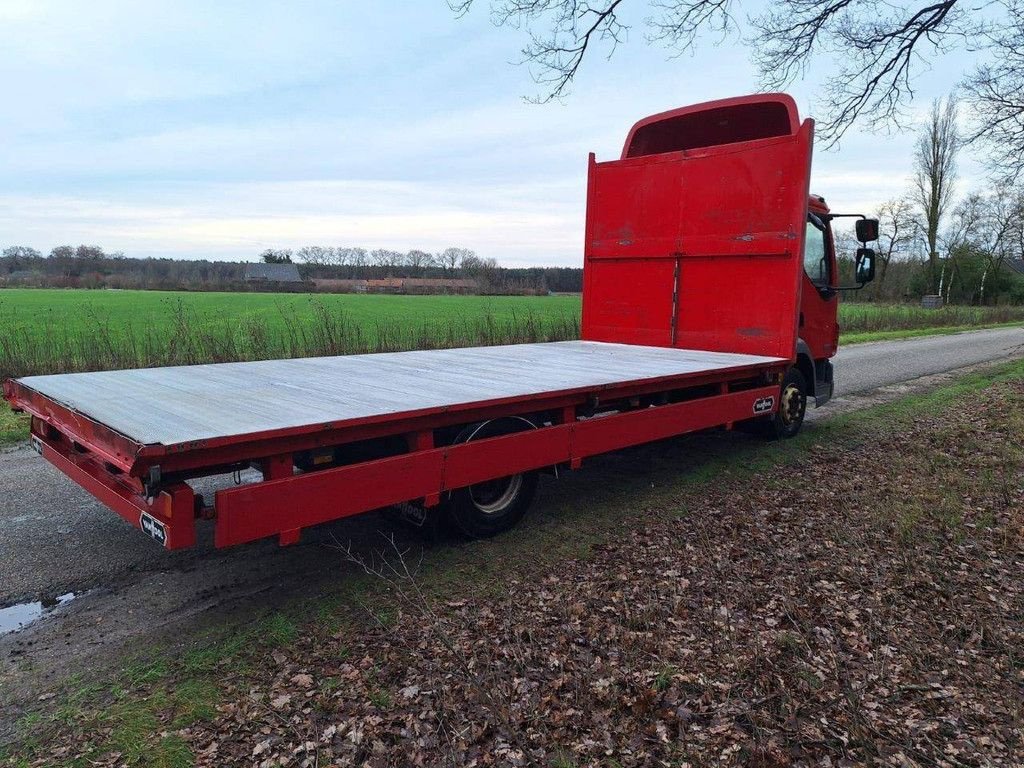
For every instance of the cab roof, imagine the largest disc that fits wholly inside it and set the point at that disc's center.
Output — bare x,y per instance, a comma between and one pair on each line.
713,123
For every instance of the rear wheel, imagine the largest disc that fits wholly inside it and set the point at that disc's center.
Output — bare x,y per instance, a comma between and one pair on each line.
493,506
789,418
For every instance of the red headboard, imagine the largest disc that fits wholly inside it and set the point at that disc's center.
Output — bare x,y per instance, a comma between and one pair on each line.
701,248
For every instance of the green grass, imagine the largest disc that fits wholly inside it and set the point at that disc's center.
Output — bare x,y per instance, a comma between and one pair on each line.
13,426
56,331
856,319
128,312
52,330
167,692
911,333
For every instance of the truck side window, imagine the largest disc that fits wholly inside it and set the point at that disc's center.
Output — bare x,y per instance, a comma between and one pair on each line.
815,252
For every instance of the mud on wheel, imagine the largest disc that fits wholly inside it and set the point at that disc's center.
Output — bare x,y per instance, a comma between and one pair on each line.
494,506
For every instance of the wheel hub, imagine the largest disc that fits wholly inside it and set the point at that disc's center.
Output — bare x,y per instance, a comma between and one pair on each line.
790,406
494,496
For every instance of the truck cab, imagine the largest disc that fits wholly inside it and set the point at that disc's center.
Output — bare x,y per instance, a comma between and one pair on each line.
818,338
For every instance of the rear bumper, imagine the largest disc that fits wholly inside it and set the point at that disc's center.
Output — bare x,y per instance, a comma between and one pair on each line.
169,517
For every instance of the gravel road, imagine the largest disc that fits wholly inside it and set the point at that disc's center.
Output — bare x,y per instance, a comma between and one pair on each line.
55,539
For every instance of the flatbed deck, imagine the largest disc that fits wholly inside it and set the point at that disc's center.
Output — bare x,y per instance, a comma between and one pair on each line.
190,404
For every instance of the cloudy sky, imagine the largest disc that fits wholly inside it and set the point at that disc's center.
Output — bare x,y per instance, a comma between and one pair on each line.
197,129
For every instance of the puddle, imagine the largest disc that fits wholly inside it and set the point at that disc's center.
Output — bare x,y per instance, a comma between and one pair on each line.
16,617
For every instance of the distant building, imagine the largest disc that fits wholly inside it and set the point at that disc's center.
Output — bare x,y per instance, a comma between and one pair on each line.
335,285
272,273
400,285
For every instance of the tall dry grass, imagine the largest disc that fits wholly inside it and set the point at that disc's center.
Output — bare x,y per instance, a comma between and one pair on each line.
96,345
869,318
189,339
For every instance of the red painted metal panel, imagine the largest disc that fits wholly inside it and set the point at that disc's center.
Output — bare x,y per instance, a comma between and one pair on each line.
725,121
474,462
623,430
715,263
285,505
627,305
171,517
104,442
250,512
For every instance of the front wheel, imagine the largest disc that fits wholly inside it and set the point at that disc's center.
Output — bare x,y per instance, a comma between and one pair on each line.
493,506
789,418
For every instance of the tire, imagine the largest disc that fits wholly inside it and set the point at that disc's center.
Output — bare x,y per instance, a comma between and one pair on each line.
492,507
787,421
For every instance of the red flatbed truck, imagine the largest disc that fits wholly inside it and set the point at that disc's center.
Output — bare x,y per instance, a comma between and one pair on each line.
709,300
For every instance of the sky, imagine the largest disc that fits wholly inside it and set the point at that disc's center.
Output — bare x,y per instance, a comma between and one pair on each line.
216,130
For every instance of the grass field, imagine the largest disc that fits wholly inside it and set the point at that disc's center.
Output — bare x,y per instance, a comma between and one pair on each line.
868,322
45,331
41,311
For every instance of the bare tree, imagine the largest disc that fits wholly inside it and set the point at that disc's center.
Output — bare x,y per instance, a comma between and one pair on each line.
877,49
315,254
961,238
355,257
989,227
418,260
996,93
21,252
92,252
897,232
450,258
339,256
1004,230
934,177
483,270
382,257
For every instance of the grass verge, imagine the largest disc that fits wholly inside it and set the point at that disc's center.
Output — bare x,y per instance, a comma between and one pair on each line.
13,426
911,333
152,703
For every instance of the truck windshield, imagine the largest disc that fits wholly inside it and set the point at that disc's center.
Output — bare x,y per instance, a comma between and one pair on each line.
816,263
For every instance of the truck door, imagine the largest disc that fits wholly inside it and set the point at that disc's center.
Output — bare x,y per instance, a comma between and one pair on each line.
819,298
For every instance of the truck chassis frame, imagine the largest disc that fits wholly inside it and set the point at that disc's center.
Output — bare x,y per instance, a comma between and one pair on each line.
147,486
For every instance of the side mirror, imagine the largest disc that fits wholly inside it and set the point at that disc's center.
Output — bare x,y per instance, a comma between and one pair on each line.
865,270
867,230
